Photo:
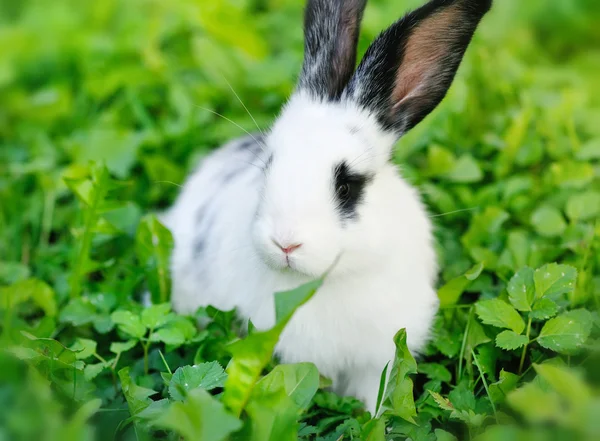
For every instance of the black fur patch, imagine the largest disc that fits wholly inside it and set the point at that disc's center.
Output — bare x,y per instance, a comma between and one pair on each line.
349,189
331,30
268,163
373,83
252,143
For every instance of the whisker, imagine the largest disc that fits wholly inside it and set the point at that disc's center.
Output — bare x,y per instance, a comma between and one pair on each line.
358,157
455,211
239,127
250,163
243,105
168,182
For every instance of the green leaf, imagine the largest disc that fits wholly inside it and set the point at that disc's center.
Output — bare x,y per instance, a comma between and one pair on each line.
552,280
571,174
177,331
91,371
381,390
374,430
398,396
543,309
484,226
518,244
442,435
153,244
590,150
77,423
251,355
501,388
156,315
12,272
300,382
502,433
566,333
583,206
521,289
154,411
463,397
129,323
29,289
287,302
548,221
119,348
450,293
497,313
460,405
510,340
567,383
199,417
536,404
169,336
206,376
82,188
137,397
440,160
487,355
111,145
441,401
273,408
52,353
78,312
465,170
435,371
84,348
331,401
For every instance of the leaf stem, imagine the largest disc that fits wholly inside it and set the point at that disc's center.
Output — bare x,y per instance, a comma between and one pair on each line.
464,344
524,352
485,385
99,357
146,346
164,361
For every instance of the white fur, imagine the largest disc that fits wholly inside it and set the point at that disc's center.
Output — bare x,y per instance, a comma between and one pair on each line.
385,276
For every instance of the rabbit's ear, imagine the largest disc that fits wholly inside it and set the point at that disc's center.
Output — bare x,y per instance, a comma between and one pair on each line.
330,35
408,69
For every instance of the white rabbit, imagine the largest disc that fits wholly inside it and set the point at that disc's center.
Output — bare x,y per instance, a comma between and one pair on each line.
268,213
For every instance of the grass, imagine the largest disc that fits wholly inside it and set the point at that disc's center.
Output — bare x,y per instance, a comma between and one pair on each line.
102,115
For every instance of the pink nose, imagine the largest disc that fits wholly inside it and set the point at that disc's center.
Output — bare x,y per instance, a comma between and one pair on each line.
287,249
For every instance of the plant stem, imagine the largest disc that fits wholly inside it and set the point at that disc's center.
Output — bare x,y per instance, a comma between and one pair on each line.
99,357
164,361
485,385
464,344
146,346
524,352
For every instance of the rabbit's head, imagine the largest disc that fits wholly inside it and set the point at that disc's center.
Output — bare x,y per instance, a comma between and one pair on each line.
330,189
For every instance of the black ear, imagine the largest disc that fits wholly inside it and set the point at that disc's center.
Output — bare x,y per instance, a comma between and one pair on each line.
408,69
330,35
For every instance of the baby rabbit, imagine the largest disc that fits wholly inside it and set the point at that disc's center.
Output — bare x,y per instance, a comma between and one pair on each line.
269,212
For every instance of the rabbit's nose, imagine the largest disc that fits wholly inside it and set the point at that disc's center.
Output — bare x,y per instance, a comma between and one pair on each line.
287,248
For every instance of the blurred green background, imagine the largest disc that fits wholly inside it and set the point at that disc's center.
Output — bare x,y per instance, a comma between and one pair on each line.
509,165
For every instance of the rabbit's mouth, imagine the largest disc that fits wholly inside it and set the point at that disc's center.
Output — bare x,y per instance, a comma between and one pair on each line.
288,263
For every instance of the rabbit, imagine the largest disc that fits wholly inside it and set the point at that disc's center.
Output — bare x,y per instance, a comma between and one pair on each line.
269,212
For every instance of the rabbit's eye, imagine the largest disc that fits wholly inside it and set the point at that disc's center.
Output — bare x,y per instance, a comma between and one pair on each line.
343,190
349,188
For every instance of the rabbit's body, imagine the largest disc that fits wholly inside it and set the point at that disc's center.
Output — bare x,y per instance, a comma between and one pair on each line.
267,213
348,326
